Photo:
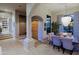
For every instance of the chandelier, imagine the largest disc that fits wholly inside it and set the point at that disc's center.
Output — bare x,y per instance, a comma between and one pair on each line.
66,20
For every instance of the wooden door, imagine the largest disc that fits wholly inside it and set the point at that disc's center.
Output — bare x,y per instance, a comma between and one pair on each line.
35,29
22,25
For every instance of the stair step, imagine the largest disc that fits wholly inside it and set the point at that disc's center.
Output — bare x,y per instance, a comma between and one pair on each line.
6,36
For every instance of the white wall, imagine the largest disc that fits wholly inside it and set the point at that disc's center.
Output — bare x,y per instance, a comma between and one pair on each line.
40,30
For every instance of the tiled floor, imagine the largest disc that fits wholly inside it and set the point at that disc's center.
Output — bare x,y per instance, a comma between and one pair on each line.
21,47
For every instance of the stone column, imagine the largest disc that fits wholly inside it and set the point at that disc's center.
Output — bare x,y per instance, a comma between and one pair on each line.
13,24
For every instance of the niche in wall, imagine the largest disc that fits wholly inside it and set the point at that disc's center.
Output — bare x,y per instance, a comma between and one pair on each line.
4,24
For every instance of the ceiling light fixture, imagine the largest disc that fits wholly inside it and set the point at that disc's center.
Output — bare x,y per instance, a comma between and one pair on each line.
66,20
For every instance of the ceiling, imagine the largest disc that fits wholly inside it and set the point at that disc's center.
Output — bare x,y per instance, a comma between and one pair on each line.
58,7
14,6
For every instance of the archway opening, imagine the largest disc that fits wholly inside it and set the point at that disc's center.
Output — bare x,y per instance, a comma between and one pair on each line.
37,28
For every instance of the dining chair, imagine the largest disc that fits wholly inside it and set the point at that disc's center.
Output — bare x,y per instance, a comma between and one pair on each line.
67,45
56,42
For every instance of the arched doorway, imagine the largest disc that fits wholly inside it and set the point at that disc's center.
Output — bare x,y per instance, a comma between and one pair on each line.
37,27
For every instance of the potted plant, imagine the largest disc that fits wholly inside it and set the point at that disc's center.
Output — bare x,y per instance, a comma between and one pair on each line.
55,27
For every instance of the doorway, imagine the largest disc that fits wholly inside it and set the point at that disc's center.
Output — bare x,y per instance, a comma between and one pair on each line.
22,25
37,28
